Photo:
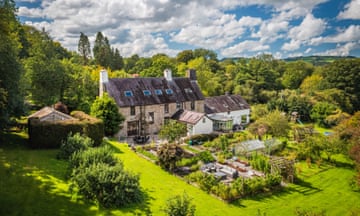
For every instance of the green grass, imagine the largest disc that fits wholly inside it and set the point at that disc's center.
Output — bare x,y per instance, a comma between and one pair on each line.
32,183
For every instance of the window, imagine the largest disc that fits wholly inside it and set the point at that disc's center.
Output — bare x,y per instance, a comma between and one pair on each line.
169,91
151,117
158,92
188,90
192,105
132,110
147,92
204,120
128,93
178,105
166,108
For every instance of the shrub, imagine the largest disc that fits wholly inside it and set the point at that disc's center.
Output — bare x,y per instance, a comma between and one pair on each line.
72,144
168,155
83,159
179,206
110,186
206,157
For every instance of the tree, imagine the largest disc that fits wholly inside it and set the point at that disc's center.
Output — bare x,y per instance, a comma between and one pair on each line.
275,124
106,109
320,111
344,75
295,73
185,56
159,63
46,77
172,130
84,48
102,50
206,54
11,97
117,62
179,205
168,155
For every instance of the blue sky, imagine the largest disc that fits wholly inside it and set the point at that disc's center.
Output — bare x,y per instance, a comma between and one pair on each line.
232,28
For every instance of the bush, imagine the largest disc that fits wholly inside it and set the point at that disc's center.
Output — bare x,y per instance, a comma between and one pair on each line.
83,159
110,186
72,144
168,155
179,206
206,157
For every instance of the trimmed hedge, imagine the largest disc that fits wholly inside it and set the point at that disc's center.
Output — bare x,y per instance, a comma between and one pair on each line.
51,134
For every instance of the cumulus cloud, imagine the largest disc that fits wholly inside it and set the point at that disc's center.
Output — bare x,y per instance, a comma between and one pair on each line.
243,47
351,10
146,27
349,34
309,28
341,50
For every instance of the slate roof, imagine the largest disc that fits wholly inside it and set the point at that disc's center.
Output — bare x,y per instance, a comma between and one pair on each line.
46,111
225,103
187,116
183,90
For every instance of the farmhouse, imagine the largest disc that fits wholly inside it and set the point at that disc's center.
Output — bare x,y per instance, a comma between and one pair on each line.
147,103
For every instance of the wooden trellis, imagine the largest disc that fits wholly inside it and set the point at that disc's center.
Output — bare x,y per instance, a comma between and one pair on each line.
283,166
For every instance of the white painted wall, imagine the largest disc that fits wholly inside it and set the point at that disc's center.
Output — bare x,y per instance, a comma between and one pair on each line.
204,126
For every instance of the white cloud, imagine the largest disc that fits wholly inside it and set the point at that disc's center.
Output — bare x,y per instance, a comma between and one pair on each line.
308,50
243,47
147,27
30,12
351,33
352,10
341,50
292,45
309,27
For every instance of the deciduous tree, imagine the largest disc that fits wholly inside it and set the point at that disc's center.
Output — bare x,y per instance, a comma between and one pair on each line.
106,109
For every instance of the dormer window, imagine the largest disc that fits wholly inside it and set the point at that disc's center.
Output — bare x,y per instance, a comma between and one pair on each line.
158,92
128,93
147,92
169,91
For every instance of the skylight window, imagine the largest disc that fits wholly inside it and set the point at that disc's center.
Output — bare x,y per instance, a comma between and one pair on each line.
169,91
147,92
188,90
158,92
128,93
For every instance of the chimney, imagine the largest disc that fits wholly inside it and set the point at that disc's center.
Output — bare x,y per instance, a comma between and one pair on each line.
191,74
168,74
103,80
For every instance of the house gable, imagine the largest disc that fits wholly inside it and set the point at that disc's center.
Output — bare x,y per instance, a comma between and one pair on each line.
50,114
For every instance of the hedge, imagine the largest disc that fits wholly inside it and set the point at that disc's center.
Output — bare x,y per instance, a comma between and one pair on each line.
51,134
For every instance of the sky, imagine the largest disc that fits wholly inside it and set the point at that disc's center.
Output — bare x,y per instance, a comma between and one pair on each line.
231,28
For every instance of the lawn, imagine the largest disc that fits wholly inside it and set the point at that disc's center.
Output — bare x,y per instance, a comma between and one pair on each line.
32,183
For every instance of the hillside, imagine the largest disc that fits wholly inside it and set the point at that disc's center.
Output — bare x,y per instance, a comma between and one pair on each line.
318,60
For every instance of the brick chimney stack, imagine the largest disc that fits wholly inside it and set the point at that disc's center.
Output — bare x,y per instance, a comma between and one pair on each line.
103,80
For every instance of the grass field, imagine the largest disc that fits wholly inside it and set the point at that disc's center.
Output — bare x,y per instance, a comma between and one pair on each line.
32,183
